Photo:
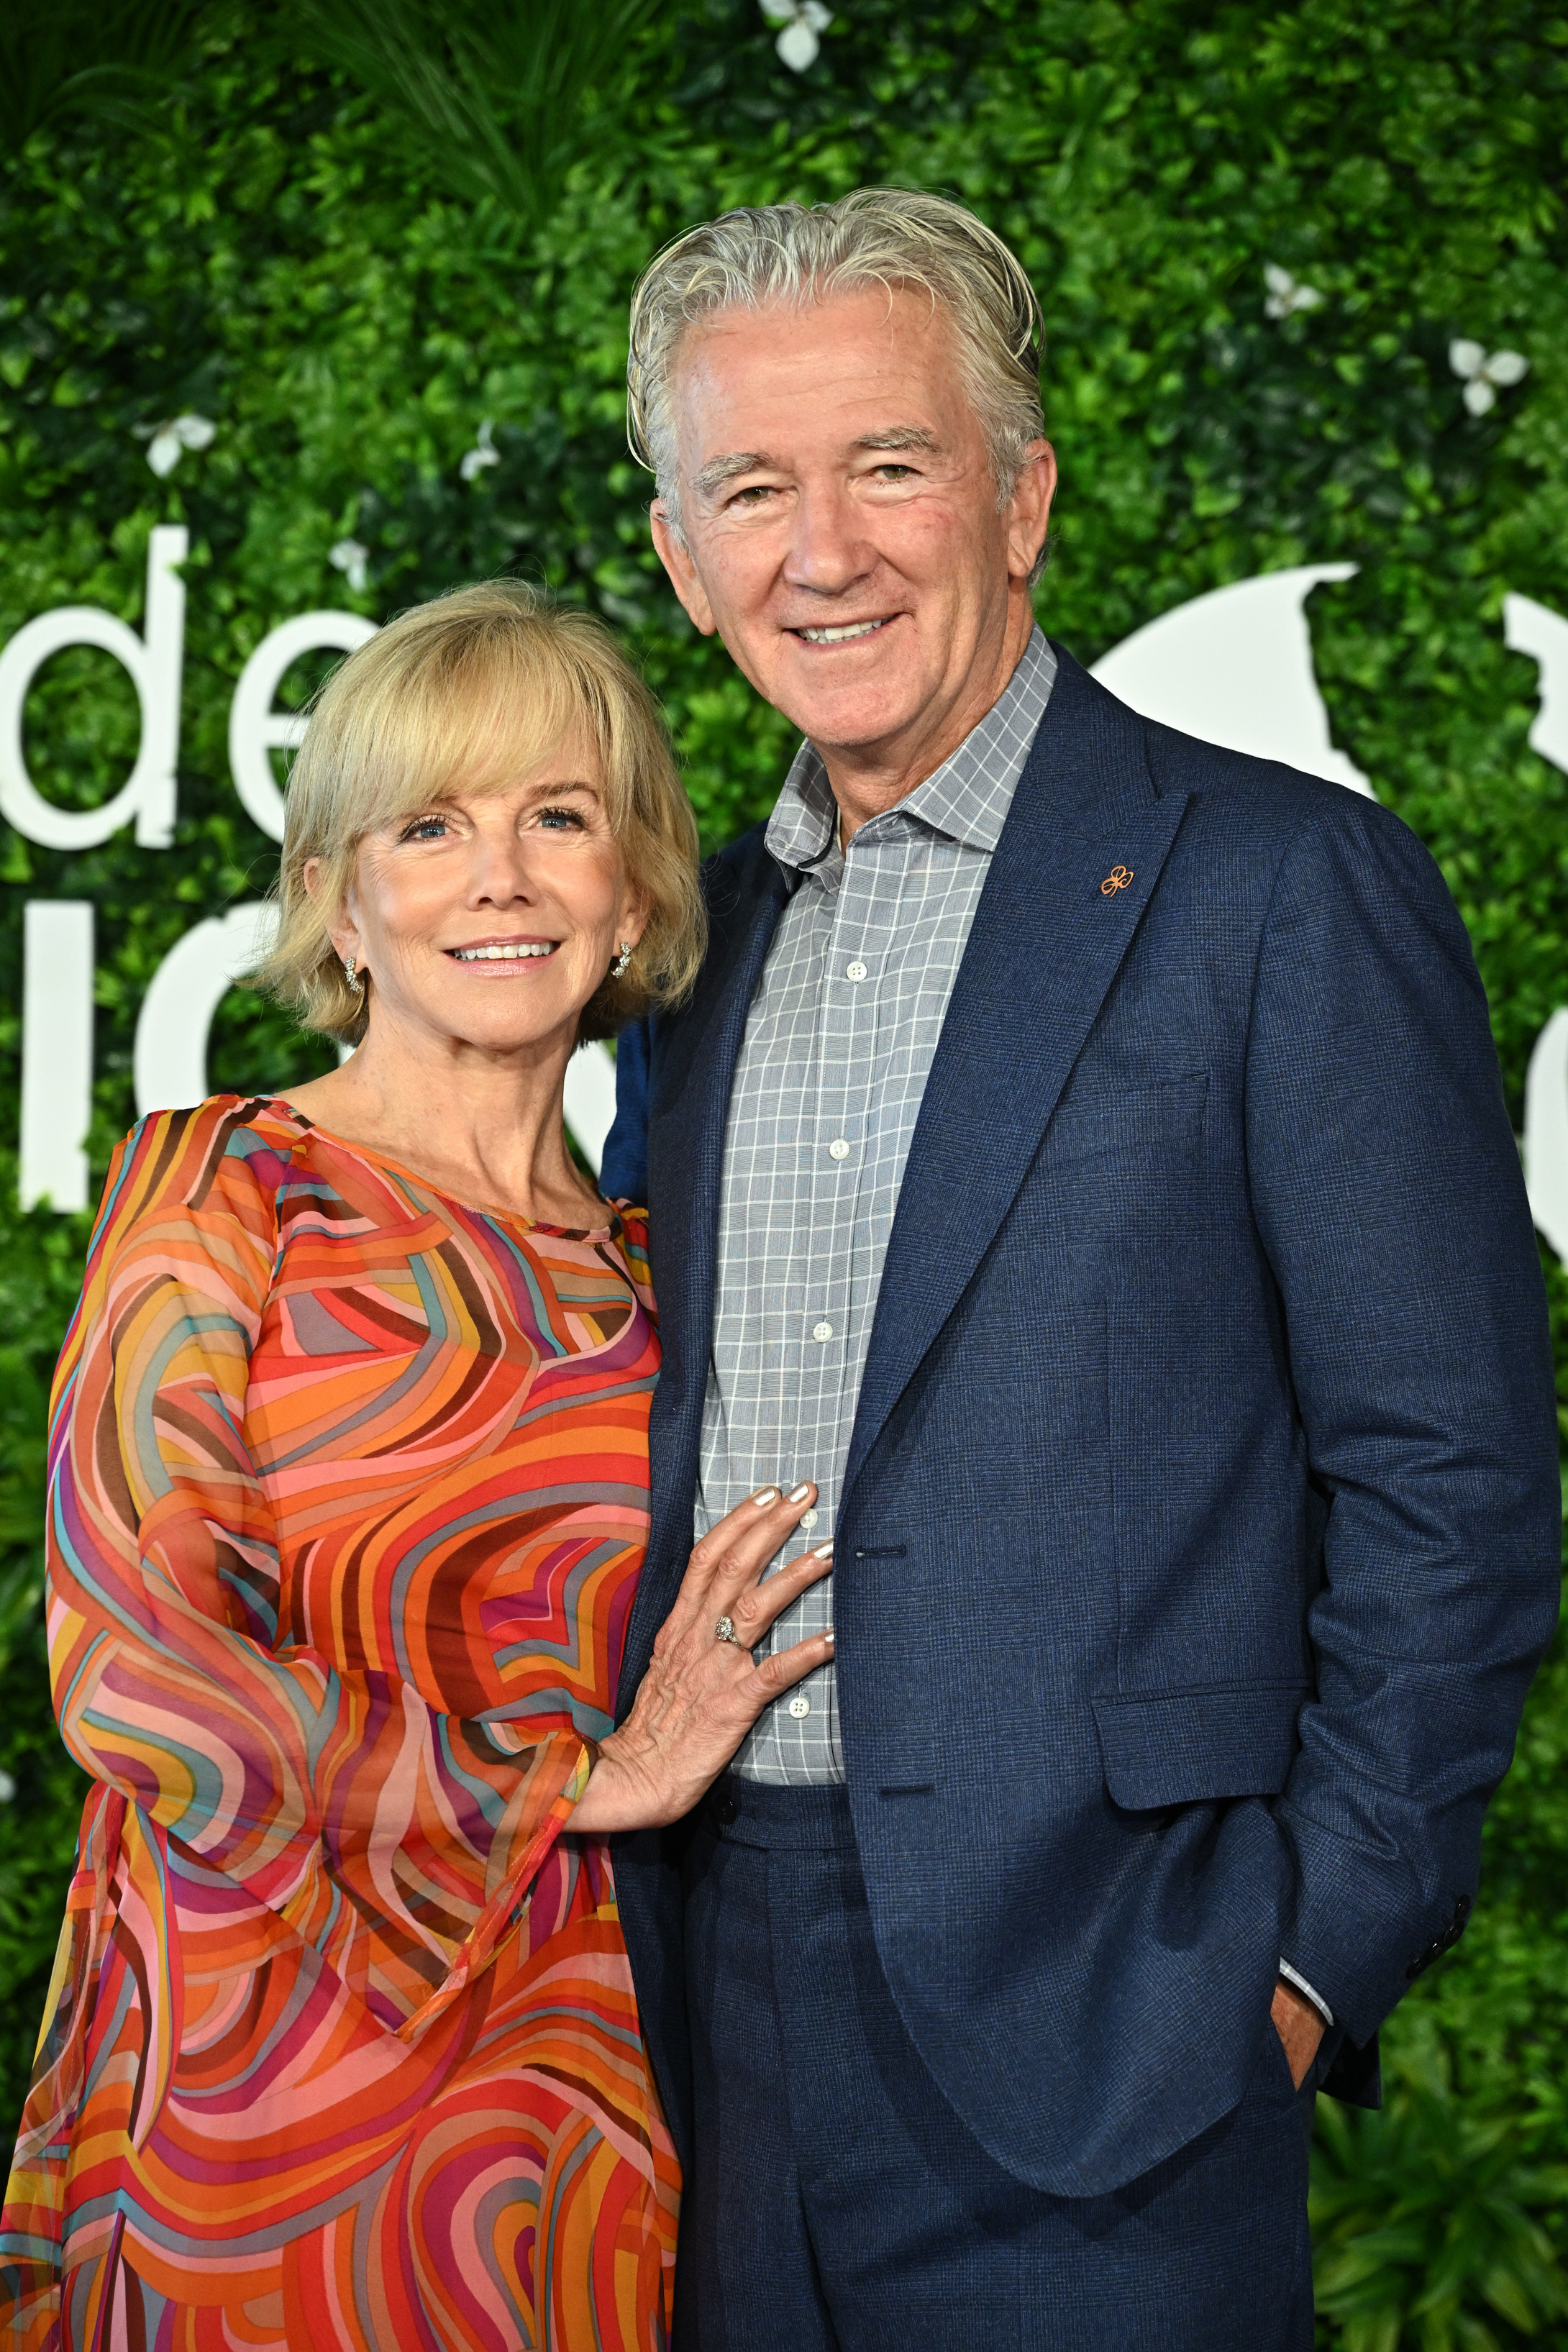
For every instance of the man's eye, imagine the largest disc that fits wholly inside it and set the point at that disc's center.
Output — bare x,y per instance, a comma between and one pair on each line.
891,473
753,495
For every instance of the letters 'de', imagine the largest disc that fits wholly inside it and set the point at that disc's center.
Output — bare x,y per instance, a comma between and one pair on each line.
154,662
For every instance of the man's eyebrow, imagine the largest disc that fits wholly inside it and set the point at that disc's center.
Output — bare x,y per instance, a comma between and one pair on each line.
900,436
718,470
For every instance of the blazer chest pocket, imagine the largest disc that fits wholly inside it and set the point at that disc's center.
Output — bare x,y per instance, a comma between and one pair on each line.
1166,1117
1196,1747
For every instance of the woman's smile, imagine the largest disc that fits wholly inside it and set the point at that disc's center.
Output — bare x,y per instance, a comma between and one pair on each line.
502,959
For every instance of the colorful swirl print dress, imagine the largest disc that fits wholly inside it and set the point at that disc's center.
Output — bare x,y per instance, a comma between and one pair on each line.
348,1500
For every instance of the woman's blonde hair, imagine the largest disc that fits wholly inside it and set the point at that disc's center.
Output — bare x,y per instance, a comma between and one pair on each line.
464,691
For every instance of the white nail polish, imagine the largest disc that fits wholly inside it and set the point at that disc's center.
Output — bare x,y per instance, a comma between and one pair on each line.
823,1552
800,1494
769,1495
829,1635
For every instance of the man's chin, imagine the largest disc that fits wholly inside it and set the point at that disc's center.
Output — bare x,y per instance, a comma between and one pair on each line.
857,716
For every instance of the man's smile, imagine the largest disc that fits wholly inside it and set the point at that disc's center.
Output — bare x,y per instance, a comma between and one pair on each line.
839,633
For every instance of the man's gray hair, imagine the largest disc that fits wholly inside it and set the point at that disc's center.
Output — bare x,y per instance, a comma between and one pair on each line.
893,238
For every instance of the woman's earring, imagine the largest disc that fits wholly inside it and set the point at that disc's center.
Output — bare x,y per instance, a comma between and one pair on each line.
617,970
357,986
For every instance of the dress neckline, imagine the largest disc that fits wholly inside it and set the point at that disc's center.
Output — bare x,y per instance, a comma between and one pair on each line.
368,1151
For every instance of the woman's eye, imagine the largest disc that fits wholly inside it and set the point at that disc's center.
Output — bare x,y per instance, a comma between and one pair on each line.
426,828
561,819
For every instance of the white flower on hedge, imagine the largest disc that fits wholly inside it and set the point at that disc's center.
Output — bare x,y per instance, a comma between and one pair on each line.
1484,372
169,441
351,559
1287,293
803,22
483,453
7,1788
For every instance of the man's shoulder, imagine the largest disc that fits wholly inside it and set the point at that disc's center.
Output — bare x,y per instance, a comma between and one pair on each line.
1253,801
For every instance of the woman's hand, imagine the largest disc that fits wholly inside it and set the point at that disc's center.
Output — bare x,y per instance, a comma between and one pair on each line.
700,1695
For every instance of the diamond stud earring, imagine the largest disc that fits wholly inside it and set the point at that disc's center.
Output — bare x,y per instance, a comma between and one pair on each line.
618,968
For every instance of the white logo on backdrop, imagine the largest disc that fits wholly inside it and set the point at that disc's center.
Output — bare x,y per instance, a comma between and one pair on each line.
1234,668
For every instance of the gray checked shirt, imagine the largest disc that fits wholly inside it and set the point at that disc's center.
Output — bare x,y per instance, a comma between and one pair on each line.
838,1049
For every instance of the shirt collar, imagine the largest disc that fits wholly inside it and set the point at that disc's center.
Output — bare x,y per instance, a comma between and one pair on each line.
966,798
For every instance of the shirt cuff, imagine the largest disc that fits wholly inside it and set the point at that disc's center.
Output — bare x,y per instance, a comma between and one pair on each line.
1294,1977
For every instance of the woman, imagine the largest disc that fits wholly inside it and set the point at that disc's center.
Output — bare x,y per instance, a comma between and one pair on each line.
347,1507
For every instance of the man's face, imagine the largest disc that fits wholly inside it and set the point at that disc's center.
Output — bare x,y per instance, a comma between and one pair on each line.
841,521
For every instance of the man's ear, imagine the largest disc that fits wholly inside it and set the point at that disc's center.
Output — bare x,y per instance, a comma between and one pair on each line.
683,572
1029,509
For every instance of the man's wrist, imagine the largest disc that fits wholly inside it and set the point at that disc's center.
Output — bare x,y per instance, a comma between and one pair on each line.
1294,1977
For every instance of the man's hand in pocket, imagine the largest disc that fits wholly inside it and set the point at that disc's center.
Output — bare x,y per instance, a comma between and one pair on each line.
1300,2027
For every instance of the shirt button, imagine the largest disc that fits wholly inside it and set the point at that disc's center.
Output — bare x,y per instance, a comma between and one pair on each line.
838,1149
800,1704
808,1520
855,971
822,1330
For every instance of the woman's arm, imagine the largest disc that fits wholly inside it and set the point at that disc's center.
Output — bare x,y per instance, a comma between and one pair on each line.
173,1681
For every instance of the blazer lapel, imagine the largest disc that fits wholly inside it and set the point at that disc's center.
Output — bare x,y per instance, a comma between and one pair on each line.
693,1072
1078,858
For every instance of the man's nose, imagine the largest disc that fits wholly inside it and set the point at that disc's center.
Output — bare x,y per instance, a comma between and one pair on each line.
828,551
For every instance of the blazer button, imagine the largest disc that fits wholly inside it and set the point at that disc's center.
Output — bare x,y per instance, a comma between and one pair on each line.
1443,1941
726,1811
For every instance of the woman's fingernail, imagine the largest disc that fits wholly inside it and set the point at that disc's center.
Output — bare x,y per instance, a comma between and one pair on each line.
801,1493
768,1495
829,1635
823,1552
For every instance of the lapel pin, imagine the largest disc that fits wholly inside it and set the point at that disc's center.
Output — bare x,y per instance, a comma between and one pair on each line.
1117,879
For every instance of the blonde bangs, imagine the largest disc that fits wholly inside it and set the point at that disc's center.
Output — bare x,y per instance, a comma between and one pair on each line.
468,692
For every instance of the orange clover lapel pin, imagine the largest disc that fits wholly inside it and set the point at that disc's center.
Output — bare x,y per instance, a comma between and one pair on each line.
1117,879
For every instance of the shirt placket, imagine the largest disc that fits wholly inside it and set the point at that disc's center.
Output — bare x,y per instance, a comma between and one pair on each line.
846,1024
795,1734
831,1343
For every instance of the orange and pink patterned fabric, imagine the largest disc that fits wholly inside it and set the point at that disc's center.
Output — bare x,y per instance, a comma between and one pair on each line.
348,1501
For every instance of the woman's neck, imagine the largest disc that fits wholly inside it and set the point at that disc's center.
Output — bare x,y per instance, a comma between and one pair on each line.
487,1129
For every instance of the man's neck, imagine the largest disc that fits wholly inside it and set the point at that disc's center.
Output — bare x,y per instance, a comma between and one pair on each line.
869,777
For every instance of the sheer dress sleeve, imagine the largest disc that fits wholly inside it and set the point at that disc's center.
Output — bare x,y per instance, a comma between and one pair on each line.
397,1839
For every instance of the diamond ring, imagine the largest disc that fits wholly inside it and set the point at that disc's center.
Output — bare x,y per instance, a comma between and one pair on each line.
725,1632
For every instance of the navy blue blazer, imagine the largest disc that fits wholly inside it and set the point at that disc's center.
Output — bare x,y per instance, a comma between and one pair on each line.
1200,1530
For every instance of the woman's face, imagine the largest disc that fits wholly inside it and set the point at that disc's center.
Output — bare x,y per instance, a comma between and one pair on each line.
489,920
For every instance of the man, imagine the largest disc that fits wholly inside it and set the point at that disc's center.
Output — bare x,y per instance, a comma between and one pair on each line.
1084,1158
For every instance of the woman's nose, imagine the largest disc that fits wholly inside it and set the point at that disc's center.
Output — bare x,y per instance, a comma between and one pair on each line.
500,868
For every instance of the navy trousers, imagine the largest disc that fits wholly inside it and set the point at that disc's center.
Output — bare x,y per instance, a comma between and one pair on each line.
839,2205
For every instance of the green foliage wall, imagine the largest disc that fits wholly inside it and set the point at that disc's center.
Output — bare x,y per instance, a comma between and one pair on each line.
277,250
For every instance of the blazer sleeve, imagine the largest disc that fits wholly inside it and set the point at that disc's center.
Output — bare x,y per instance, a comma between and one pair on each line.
622,1174
175,1684
1387,1189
